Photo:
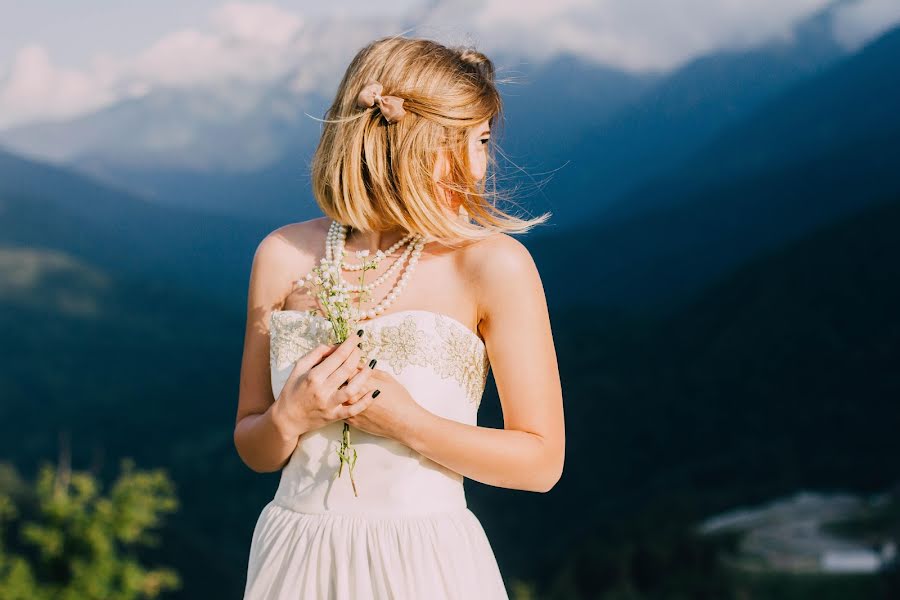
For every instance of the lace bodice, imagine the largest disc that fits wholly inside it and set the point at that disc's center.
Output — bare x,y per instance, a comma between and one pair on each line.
397,340
441,362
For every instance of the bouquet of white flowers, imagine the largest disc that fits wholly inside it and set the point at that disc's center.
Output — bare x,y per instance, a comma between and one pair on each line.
326,283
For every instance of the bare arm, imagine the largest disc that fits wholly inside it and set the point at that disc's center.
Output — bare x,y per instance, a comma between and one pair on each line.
261,443
262,439
529,452
267,429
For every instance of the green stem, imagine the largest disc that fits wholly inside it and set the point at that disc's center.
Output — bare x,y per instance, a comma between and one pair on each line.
344,452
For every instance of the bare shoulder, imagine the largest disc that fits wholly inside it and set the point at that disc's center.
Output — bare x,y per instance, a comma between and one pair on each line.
281,257
302,237
498,256
501,270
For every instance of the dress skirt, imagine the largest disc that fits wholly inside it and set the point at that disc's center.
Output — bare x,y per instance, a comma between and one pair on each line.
339,556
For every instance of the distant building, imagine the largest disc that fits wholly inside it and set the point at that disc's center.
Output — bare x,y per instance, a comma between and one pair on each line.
850,561
788,535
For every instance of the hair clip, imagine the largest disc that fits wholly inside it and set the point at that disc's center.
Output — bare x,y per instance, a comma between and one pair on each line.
391,106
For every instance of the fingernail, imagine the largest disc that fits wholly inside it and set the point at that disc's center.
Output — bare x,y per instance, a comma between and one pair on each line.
372,363
359,345
375,393
359,333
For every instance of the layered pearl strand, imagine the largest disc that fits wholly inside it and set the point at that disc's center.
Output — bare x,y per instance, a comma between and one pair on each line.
335,243
379,255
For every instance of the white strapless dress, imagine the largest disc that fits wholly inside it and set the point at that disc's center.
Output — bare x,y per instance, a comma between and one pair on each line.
409,535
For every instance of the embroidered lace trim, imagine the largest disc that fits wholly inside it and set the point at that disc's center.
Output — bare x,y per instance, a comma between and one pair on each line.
451,349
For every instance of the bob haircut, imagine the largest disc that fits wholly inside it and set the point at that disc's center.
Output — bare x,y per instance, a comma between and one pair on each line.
374,175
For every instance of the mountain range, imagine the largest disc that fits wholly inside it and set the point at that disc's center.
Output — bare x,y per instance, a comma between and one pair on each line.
724,320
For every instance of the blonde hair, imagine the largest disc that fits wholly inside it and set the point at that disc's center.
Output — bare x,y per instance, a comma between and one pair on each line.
373,175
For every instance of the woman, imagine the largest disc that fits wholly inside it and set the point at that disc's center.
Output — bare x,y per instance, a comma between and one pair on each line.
400,174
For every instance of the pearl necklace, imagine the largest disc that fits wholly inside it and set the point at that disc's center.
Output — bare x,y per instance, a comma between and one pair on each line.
334,253
336,241
379,255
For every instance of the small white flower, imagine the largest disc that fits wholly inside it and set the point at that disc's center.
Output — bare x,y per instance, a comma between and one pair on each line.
362,253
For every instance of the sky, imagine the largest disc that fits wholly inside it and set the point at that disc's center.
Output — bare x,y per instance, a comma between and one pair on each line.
59,60
73,32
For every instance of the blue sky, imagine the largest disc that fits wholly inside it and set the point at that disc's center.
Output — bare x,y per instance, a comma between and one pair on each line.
59,60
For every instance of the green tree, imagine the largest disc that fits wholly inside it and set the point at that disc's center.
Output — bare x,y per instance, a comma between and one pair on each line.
61,539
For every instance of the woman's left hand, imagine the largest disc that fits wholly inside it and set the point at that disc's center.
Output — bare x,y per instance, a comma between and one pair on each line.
393,410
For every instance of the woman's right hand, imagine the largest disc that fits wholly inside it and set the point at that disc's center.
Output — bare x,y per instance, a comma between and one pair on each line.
314,393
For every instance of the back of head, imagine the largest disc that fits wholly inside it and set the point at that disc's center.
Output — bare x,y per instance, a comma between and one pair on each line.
412,173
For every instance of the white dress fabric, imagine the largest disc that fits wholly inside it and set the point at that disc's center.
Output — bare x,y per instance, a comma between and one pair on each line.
409,534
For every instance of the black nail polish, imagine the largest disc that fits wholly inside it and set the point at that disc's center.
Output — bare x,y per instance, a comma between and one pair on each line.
359,345
375,393
372,363
359,333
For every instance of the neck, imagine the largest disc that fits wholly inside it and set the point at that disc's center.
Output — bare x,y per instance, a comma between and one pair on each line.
372,241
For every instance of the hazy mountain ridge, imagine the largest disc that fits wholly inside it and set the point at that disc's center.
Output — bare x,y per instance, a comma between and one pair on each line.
45,206
850,102
595,130
676,233
679,115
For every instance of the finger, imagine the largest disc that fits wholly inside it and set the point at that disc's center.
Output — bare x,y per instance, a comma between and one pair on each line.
343,386
312,358
370,366
345,412
340,396
345,370
336,358
358,386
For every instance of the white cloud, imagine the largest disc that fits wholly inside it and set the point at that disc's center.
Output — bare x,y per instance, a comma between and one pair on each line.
858,22
254,43
263,24
636,36
246,42
36,89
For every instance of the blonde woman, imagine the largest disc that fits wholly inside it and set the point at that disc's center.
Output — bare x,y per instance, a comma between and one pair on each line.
441,293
